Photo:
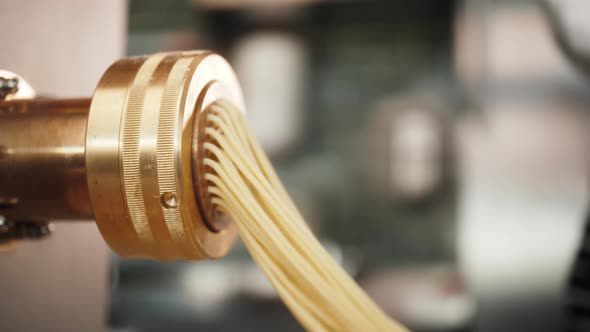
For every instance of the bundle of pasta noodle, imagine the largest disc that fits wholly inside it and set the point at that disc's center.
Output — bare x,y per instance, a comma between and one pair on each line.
242,184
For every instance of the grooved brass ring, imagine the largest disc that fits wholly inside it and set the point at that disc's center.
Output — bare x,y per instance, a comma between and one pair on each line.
140,150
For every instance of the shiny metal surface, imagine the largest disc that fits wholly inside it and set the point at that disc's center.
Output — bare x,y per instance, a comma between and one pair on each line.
42,174
14,87
139,154
128,157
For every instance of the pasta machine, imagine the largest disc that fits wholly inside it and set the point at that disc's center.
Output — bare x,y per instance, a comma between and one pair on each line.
125,157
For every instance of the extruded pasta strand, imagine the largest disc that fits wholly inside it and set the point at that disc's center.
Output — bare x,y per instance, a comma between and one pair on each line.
243,184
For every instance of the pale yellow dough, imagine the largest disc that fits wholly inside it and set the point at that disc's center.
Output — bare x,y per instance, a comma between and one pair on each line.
244,185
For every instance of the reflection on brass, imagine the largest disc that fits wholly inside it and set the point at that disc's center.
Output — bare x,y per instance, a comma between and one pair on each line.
42,174
126,157
139,154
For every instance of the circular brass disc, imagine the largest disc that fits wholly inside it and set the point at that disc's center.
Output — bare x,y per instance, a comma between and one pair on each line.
140,150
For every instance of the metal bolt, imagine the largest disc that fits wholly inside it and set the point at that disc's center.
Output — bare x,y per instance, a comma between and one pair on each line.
8,86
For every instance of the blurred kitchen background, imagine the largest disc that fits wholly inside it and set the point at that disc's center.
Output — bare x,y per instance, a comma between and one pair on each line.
439,149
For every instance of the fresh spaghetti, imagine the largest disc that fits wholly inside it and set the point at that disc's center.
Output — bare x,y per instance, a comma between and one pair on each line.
242,184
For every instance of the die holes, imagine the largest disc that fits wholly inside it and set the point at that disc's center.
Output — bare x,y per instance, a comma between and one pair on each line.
168,200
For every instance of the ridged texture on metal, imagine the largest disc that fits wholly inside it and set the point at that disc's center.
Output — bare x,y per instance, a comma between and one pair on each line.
129,149
143,172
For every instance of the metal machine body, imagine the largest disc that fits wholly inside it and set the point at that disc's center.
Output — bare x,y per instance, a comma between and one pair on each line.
127,158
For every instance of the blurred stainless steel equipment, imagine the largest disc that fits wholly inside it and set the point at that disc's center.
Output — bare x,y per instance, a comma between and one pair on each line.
571,28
